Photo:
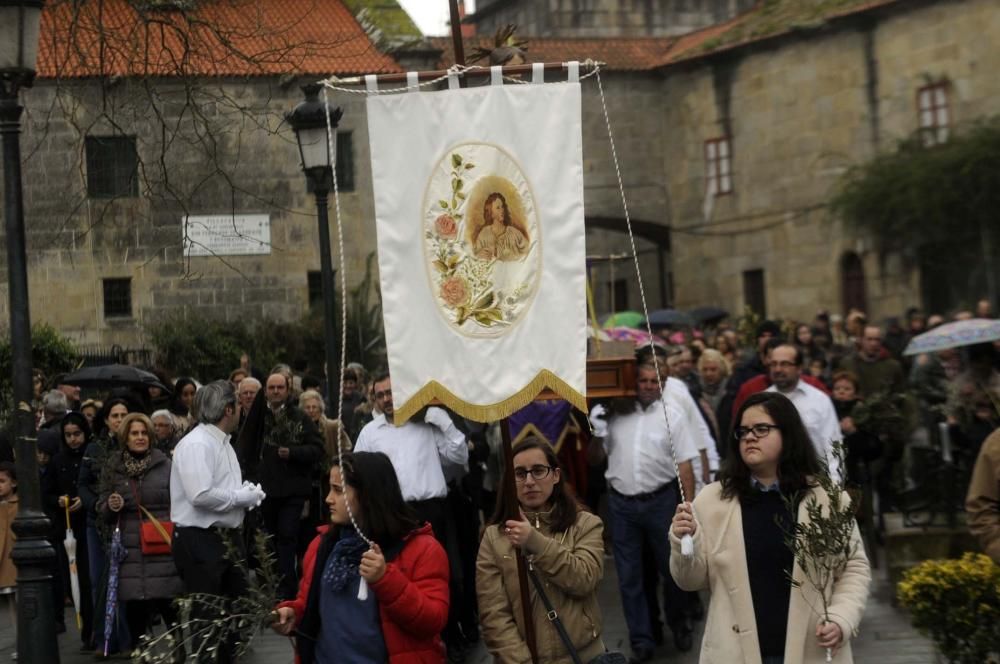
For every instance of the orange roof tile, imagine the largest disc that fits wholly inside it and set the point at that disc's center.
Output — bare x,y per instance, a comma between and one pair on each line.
207,38
620,53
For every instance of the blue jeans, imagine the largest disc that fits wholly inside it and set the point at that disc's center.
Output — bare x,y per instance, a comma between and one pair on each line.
631,523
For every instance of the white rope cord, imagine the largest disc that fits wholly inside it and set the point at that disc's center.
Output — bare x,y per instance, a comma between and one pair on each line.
454,70
687,545
363,585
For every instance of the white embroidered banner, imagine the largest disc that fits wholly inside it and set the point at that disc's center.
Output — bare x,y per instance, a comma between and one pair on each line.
479,213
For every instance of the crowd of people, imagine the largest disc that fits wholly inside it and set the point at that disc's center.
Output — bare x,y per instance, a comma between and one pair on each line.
414,560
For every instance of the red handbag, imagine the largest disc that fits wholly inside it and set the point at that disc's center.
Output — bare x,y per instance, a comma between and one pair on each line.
154,535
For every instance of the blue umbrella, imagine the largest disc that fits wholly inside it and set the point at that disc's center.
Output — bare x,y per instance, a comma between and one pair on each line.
954,335
116,554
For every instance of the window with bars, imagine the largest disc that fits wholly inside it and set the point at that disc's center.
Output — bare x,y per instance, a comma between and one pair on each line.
718,166
117,298
932,107
112,167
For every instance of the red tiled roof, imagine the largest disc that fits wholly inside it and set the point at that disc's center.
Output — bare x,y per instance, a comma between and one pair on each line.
620,53
212,38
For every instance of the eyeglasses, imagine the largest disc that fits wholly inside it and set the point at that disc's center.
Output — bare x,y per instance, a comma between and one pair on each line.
537,472
759,431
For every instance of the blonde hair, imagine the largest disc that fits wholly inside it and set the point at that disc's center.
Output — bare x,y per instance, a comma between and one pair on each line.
712,355
122,433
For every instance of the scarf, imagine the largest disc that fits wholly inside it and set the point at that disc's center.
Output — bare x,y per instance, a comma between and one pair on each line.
136,466
346,557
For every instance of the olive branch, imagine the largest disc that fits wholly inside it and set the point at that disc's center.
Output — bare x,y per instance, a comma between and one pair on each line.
823,545
207,621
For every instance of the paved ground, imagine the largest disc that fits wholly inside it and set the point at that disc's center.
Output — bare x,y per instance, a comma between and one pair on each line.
886,636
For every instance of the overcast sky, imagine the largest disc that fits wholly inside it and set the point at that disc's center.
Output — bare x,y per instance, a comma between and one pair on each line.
432,16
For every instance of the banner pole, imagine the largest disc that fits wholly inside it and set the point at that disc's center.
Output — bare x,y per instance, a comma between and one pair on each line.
512,510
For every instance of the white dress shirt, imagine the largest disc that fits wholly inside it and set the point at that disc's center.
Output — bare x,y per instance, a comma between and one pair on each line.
638,448
204,478
417,450
820,419
678,395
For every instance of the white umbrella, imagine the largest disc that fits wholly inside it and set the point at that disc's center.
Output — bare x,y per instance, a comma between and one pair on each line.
74,579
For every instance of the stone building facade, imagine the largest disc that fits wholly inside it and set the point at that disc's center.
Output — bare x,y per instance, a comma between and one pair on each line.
795,111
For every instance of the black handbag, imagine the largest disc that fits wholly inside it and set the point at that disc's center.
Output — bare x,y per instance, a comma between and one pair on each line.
609,657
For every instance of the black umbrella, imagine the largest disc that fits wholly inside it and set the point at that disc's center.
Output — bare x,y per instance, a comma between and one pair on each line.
669,318
708,314
114,375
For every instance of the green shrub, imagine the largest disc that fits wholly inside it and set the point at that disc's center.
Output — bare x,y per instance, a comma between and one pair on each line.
51,353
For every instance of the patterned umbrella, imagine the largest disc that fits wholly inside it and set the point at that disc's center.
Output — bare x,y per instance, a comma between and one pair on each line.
74,579
623,319
638,337
116,554
954,335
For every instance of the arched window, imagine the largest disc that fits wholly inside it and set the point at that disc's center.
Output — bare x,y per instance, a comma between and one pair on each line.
852,283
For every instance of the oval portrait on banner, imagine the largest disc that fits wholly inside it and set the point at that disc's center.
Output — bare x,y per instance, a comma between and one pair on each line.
482,240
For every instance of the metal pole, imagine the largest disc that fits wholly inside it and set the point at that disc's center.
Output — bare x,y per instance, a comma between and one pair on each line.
321,183
32,553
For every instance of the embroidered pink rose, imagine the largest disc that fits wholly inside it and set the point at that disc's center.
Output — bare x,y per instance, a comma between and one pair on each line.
446,227
454,291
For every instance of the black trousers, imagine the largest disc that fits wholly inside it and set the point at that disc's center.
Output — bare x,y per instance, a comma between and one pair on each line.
281,518
206,566
139,615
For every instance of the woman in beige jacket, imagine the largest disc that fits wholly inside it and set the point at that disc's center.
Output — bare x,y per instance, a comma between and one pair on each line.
755,614
565,546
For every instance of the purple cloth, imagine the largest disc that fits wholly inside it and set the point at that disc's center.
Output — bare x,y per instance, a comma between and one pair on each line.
550,418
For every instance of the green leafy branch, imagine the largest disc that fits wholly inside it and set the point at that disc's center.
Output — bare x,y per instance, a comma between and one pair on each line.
824,543
458,168
206,621
285,432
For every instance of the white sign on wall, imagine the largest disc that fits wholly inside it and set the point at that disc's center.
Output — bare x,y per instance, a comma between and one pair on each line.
227,235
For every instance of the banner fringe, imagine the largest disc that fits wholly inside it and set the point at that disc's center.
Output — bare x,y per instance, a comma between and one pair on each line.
491,412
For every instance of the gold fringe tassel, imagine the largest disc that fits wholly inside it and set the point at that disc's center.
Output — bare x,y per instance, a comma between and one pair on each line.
491,412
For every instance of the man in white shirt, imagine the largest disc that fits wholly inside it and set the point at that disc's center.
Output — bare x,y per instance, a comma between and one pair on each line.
417,451
815,408
208,499
642,447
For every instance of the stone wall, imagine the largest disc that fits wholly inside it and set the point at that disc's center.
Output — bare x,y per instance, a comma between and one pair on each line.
800,112
244,161
604,18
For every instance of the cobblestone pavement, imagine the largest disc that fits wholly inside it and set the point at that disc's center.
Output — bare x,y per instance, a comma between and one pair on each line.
886,636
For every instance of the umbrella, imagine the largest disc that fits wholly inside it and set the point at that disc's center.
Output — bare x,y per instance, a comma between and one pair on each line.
670,318
638,337
703,315
623,319
954,335
116,554
74,579
114,375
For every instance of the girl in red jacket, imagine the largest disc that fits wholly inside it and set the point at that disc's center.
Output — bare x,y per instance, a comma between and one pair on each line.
405,569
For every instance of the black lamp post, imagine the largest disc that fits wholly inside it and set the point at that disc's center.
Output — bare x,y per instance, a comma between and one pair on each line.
34,557
308,119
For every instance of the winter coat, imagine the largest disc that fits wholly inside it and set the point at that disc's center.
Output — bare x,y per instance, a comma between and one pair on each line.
570,565
140,576
884,374
64,470
412,598
982,503
719,563
8,572
281,478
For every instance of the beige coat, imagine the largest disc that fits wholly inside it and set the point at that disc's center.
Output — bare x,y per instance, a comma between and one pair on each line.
982,503
8,571
570,564
719,563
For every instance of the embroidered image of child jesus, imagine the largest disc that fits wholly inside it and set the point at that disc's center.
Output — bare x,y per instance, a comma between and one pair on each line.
499,238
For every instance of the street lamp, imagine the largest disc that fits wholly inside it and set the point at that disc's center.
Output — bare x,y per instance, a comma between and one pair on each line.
309,121
34,557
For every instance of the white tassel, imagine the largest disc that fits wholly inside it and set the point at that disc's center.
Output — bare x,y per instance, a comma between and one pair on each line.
363,589
687,546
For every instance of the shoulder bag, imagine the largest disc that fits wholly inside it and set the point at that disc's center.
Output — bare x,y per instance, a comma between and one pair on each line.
154,535
609,657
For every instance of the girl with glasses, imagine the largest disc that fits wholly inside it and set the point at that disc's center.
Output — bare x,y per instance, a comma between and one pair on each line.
739,524
566,547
